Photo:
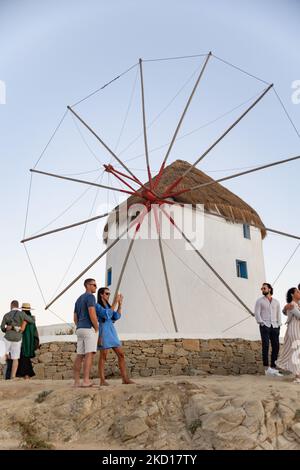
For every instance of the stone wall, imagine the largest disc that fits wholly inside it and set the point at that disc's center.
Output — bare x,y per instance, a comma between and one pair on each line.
159,357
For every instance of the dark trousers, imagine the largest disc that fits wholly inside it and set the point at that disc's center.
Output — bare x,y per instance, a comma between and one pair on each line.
8,369
269,334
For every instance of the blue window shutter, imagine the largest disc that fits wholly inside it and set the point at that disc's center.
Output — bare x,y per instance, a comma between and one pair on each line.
244,273
241,269
246,231
109,277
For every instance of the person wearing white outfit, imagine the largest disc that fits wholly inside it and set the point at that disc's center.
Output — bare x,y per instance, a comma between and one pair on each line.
13,326
268,316
289,358
289,306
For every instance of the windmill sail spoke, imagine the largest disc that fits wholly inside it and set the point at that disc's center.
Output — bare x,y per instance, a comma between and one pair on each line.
173,185
136,221
181,119
144,124
66,227
81,181
106,146
165,270
207,263
236,175
139,223
262,227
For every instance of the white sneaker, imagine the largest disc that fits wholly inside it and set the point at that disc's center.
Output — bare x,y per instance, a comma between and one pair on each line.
276,373
273,372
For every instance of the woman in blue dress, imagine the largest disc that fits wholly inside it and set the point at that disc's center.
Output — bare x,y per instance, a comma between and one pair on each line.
108,339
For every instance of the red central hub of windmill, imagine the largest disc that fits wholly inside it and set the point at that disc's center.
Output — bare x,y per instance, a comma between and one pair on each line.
146,193
150,196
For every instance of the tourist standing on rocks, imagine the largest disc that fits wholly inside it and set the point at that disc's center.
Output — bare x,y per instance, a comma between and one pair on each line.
87,328
30,343
108,339
268,316
7,370
12,325
289,358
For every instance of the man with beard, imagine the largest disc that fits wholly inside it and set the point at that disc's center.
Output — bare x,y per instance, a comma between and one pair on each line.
268,316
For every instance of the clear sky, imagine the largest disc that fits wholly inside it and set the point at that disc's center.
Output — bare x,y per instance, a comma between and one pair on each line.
53,53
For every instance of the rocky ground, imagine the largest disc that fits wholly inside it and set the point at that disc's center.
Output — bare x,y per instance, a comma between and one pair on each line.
205,412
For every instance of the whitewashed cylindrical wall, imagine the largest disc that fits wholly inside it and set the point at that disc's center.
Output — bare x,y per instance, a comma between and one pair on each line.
202,305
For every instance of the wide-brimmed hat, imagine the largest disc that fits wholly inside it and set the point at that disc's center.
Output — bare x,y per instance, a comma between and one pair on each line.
26,306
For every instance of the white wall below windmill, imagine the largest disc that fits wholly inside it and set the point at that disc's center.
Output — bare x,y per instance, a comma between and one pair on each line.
203,307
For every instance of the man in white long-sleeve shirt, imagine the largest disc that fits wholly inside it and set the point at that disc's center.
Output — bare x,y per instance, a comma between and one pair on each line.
268,316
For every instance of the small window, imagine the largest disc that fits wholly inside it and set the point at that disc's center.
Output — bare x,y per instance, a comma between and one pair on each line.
241,269
246,231
109,277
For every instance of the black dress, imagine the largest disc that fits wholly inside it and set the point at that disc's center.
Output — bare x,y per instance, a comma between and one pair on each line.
25,367
29,345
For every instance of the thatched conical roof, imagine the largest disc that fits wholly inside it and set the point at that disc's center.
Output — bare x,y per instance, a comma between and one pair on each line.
215,198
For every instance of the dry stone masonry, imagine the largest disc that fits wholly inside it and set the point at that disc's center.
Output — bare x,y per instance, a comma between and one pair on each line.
159,357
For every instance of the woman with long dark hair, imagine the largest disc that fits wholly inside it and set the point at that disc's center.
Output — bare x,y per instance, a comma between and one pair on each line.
30,343
289,358
108,339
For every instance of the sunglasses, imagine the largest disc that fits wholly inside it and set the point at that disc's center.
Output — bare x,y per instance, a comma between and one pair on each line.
95,285
106,293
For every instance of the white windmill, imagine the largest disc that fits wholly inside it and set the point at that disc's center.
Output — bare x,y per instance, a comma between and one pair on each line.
207,290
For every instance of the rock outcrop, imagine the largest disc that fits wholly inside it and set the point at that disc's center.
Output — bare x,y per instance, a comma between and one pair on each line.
213,412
